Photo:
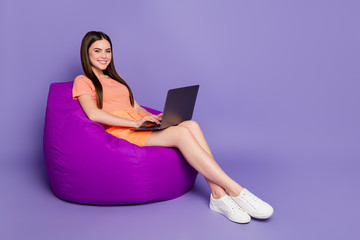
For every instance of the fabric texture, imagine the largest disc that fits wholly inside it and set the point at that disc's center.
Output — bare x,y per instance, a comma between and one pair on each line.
116,101
115,94
86,164
136,137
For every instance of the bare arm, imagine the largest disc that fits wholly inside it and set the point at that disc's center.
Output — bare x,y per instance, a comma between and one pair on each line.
97,115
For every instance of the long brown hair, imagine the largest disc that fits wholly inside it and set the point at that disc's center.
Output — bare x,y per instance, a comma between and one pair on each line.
89,39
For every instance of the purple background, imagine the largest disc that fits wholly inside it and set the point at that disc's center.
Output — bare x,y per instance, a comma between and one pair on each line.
278,102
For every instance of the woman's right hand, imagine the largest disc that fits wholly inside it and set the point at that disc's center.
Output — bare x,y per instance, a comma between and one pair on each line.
150,119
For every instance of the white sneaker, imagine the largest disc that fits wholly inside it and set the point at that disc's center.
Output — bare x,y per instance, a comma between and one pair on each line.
227,207
253,205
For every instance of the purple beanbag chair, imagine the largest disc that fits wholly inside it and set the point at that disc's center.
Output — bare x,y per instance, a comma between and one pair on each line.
85,164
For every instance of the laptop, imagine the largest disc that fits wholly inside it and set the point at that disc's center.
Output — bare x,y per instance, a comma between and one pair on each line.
179,107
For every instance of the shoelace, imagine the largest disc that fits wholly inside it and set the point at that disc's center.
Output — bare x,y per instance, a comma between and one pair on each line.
232,205
250,199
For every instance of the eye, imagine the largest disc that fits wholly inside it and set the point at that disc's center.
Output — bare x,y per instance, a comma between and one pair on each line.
108,51
97,50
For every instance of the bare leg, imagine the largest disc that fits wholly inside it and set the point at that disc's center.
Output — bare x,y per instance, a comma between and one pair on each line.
189,139
216,190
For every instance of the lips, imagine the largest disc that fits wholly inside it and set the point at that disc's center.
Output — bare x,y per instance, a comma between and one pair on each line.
102,62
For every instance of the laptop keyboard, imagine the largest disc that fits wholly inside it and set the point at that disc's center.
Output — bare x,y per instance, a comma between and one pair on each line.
151,126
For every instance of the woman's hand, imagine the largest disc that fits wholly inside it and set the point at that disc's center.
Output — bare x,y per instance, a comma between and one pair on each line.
149,119
159,116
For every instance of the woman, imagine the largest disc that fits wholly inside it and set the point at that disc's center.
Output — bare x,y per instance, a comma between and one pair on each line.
107,99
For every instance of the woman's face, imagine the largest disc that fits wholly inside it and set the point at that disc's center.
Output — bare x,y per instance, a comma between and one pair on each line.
100,55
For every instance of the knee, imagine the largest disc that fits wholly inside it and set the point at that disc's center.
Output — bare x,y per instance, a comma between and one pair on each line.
192,125
182,132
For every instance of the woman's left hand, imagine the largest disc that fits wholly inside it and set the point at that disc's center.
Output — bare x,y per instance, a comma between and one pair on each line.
158,117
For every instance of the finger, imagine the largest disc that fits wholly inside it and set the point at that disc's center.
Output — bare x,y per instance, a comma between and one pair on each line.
158,117
153,119
156,120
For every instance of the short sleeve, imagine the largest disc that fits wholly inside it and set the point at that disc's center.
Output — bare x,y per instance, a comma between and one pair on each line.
82,86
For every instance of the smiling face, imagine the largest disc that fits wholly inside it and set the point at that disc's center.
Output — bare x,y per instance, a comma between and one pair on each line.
100,56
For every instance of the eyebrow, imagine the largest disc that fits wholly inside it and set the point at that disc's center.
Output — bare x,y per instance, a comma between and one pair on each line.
100,48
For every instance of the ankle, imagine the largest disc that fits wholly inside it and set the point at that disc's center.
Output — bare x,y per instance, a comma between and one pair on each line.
235,192
218,194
